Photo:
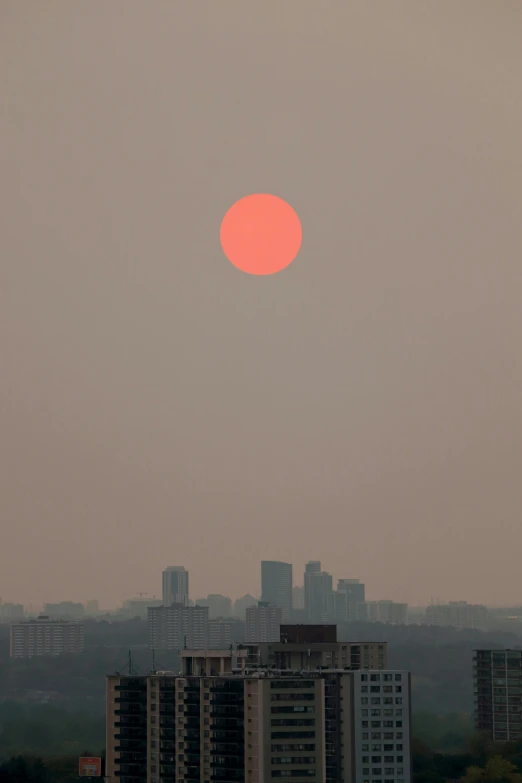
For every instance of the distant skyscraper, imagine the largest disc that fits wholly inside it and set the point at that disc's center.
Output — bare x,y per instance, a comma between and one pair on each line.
175,587
263,623
354,589
311,568
276,585
218,605
242,604
298,598
318,587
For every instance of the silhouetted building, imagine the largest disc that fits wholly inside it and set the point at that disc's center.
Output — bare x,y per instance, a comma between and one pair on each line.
276,585
175,586
497,684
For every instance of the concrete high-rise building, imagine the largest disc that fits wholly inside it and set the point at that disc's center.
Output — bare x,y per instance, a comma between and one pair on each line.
354,590
387,612
224,632
298,597
263,623
242,604
218,605
178,626
497,684
175,586
312,568
45,637
276,585
218,720
317,591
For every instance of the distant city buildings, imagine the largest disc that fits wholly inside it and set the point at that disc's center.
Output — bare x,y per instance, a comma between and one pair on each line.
497,684
222,633
45,637
92,608
178,626
65,610
459,614
175,586
276,585
263,623
138,607
218,605
242,604
10,611
388,612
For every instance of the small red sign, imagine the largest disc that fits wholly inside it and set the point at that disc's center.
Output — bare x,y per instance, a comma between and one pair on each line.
90,767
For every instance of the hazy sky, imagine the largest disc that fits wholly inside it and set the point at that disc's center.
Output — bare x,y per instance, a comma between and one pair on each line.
158,406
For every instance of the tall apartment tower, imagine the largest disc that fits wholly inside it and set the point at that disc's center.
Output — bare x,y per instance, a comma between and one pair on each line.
497,685
229,723
276,585
313,567
318,588
175,586
177,626
263,623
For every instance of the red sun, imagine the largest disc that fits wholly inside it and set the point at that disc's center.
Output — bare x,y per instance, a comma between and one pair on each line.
261,234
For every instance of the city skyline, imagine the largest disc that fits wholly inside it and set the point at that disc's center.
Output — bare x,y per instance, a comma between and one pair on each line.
363,405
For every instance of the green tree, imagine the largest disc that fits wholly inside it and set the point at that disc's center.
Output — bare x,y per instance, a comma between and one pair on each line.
496,770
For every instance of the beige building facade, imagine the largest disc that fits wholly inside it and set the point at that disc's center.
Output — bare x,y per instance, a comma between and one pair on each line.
219,719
